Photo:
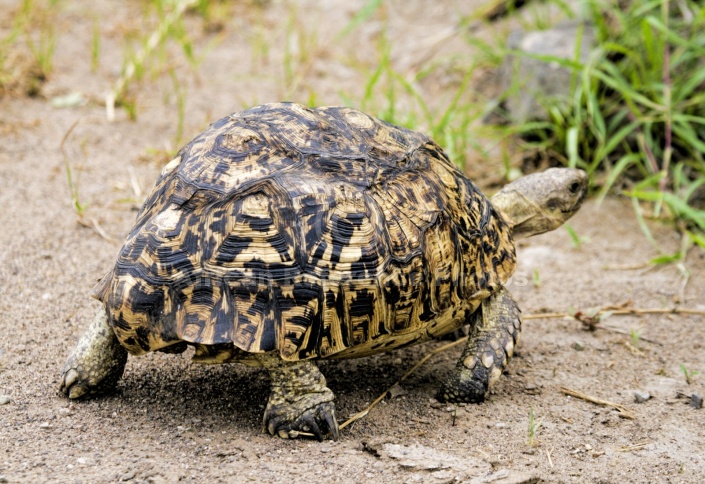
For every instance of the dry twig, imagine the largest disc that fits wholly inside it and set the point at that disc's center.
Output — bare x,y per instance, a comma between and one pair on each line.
592,320
619,312
633,349
548,454
623,412
630,448
92,223
406,375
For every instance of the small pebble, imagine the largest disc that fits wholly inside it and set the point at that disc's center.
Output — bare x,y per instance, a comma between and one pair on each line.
128,476
696,401
641,397
5,399
578,346
3,479
532,389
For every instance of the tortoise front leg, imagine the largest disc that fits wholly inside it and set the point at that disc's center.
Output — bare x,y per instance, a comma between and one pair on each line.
97,362
299,401
494,333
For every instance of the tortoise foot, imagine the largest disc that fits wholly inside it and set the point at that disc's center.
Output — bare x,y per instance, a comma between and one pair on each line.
290,420
495,334
465,386
97,362
300,401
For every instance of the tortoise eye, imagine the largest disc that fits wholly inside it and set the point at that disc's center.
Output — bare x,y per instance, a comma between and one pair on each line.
574,187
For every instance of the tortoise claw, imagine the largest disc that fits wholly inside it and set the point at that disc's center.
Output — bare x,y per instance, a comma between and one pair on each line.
289,423
332,423
300,401
71,385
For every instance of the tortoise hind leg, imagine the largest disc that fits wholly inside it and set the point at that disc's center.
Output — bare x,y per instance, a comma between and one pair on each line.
97,362
495,329
299,400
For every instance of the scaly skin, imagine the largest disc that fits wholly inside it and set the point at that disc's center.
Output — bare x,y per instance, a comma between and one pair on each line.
495,334
97,362
300,401
541,202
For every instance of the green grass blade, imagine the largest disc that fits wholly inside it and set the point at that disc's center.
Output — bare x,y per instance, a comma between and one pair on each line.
360,17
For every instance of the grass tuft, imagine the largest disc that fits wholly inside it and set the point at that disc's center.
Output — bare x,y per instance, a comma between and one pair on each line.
636,121
688,374
170,25
27,50
534,426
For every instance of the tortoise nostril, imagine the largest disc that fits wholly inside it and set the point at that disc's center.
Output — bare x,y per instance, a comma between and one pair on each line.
574,187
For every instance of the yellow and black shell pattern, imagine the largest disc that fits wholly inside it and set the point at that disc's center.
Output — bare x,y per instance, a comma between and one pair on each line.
313,232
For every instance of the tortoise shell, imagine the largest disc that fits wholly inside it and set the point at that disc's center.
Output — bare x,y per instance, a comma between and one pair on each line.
312,232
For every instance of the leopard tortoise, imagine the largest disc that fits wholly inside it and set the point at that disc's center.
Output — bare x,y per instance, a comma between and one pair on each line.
284,234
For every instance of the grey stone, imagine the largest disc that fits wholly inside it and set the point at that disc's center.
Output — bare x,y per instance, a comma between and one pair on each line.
128,476
532,83
578,346
417,457
5,399
696,401
641,397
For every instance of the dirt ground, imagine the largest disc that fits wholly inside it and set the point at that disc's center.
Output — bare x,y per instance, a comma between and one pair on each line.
173,420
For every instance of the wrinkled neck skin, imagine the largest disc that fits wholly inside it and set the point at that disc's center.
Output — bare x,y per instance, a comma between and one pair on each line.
525,217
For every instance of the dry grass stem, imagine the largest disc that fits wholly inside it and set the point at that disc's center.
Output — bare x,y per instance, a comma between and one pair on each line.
633,447
423,360
626,333
92,223
633,349
623,412
628,267
620,312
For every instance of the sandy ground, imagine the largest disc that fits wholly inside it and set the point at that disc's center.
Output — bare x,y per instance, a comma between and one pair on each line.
173,420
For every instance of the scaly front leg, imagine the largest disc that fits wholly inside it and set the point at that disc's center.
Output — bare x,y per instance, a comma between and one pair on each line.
494,333
300,401
97,362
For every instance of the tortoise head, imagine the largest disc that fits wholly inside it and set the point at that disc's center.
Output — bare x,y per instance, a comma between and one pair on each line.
541,202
